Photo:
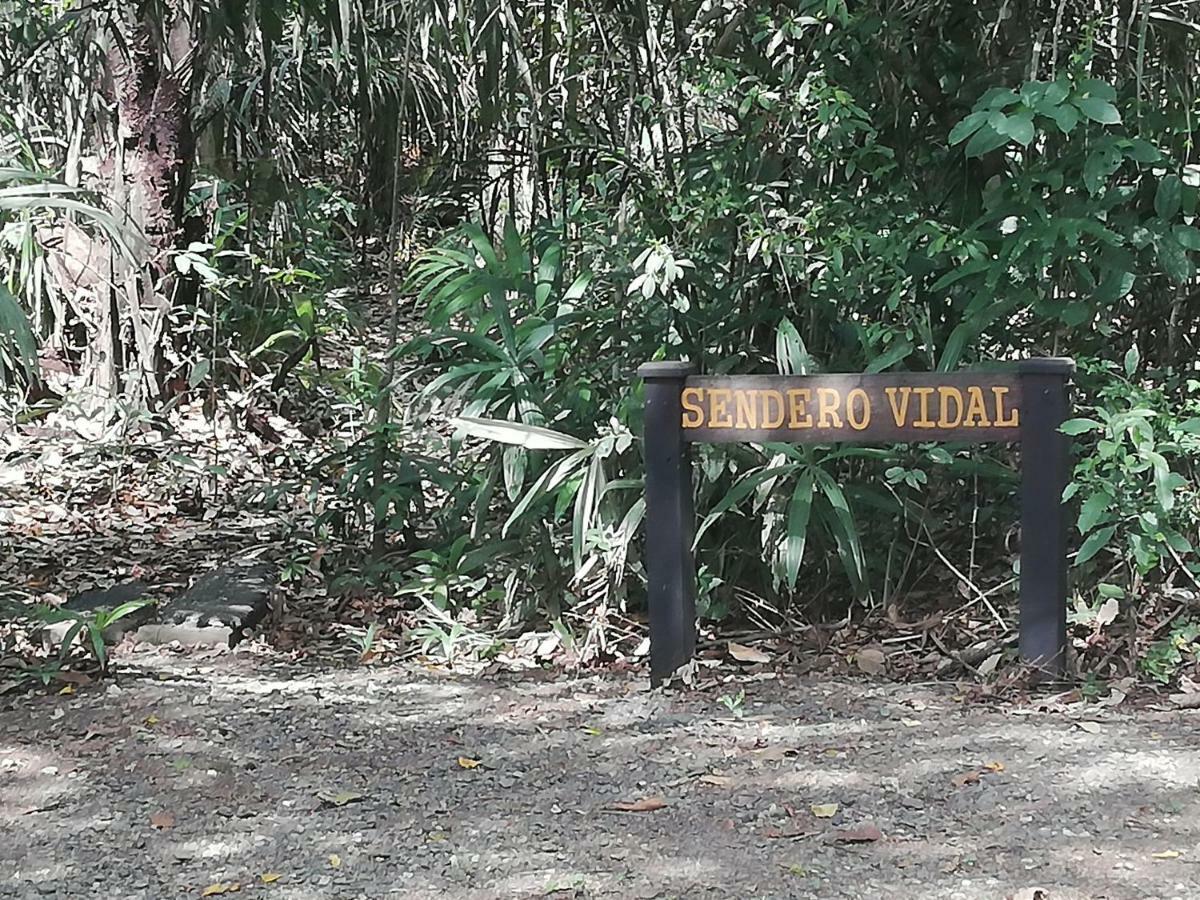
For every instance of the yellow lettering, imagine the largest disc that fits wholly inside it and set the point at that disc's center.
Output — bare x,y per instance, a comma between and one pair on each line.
718,408
924,393
1001,422
747,411
828,400
693,412
769,421
945,395
797,400
898,400
860,420
976,409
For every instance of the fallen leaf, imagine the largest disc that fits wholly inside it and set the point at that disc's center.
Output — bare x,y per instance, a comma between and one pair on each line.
824,810
1090,727
646,804
339,799
871,661
465,762
745,654
592,730
988,666
162,819
862,834
151,720
1166,854
335,860
72,677
717,780
270,877
775,753
794,832
995,766
221,887
1107,614
69,689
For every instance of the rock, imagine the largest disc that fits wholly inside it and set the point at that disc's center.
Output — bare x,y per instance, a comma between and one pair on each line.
93,601
217,610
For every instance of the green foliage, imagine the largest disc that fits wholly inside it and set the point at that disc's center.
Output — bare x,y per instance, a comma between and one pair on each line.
1163,659
1135,479
87,628
813,186
364,641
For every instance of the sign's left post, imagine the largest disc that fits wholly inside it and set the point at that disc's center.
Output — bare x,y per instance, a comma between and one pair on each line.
670,520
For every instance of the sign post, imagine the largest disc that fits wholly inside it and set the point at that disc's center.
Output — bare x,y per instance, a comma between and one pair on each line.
670,572
1026,405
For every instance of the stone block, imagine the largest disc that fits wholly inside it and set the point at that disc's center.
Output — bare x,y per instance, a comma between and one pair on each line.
217,609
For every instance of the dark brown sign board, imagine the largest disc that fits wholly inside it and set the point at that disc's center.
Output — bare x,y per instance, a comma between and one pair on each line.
1024,403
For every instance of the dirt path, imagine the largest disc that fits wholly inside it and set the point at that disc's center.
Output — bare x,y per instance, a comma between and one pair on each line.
230,756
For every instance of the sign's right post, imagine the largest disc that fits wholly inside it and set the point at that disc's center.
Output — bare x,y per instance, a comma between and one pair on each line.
1045,473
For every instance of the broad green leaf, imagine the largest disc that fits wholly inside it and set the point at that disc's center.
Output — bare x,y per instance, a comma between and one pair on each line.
740,490
1163,483
845,532
14,328
585,508
199,373
897,351
1079,426
1100,164
1056,93
1099,110
1132,357
513,463
1173,258
1092,511
577,288
1168,197
1066,117
984,141
791,356
1142,151
1095,542
967,127
955,344
1094,87
1114,285
799,509
547,273
1188,236
997,98
1018,127
549,480
531,437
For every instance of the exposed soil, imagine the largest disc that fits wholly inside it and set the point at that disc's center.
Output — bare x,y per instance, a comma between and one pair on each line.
203,772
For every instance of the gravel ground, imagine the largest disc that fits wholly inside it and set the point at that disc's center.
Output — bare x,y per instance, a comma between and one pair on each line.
196,775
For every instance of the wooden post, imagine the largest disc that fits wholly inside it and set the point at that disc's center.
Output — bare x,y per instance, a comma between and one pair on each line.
670,570
1045,472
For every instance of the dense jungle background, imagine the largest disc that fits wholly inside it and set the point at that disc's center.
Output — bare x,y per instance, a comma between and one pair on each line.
364,284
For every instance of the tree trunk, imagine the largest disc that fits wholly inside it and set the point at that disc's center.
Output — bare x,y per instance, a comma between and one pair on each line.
150,67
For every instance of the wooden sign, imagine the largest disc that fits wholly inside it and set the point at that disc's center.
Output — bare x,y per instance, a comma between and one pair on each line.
830,408
1024,404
